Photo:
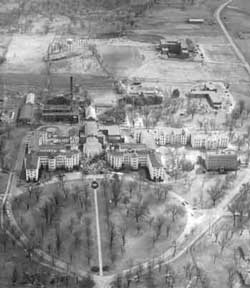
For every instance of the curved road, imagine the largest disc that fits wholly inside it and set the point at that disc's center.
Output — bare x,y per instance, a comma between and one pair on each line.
229,38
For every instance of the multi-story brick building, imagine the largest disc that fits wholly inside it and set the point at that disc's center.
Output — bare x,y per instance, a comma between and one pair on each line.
221,161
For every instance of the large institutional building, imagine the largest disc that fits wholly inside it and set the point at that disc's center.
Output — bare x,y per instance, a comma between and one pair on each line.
49,150
209,141
165,135
221,161
135,156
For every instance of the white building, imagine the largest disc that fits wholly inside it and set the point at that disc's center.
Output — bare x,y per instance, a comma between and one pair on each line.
30,98
211,141
135,159
165,135
60,159
32,165
90,113
92,147
155,168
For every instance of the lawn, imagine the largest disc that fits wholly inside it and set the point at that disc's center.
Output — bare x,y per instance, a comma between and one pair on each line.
3,182
16,270
58,218
194,188
138,221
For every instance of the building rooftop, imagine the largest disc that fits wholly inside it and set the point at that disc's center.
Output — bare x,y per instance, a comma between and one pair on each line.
91,128
132,146
113,130
32,161
221,154
90,113
116,153
51,155
154,161
170,130
73,131
57,107
92,144
26,112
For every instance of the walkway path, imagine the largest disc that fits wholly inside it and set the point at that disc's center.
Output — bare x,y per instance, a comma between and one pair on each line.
229,38
99,244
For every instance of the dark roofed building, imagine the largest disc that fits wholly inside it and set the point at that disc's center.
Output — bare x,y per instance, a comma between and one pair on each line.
221,162
32,165
26,114
155,168
132,146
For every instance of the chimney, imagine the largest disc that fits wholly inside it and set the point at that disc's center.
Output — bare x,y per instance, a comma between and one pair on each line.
71,86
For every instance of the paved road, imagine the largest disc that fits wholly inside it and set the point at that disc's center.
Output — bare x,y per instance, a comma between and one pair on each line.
229,38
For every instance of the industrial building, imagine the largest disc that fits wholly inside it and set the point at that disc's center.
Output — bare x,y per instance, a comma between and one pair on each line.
62,113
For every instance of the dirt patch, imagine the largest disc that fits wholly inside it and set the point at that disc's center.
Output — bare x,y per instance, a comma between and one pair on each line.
120,58
25,54
148,38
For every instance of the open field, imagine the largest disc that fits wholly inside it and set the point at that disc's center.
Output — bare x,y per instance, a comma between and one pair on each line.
134,55
237,20
25,53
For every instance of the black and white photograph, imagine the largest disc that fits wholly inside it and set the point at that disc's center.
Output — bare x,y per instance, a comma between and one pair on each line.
124,143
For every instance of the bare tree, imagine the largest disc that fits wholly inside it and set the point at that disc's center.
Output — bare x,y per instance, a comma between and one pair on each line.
174,210
216,192
86,199
224,238
231,270
123,229
88,239
158,225
112,235
116,190
58,240
139,210
132,186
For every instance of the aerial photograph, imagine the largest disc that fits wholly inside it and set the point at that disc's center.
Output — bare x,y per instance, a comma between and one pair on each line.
125,143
